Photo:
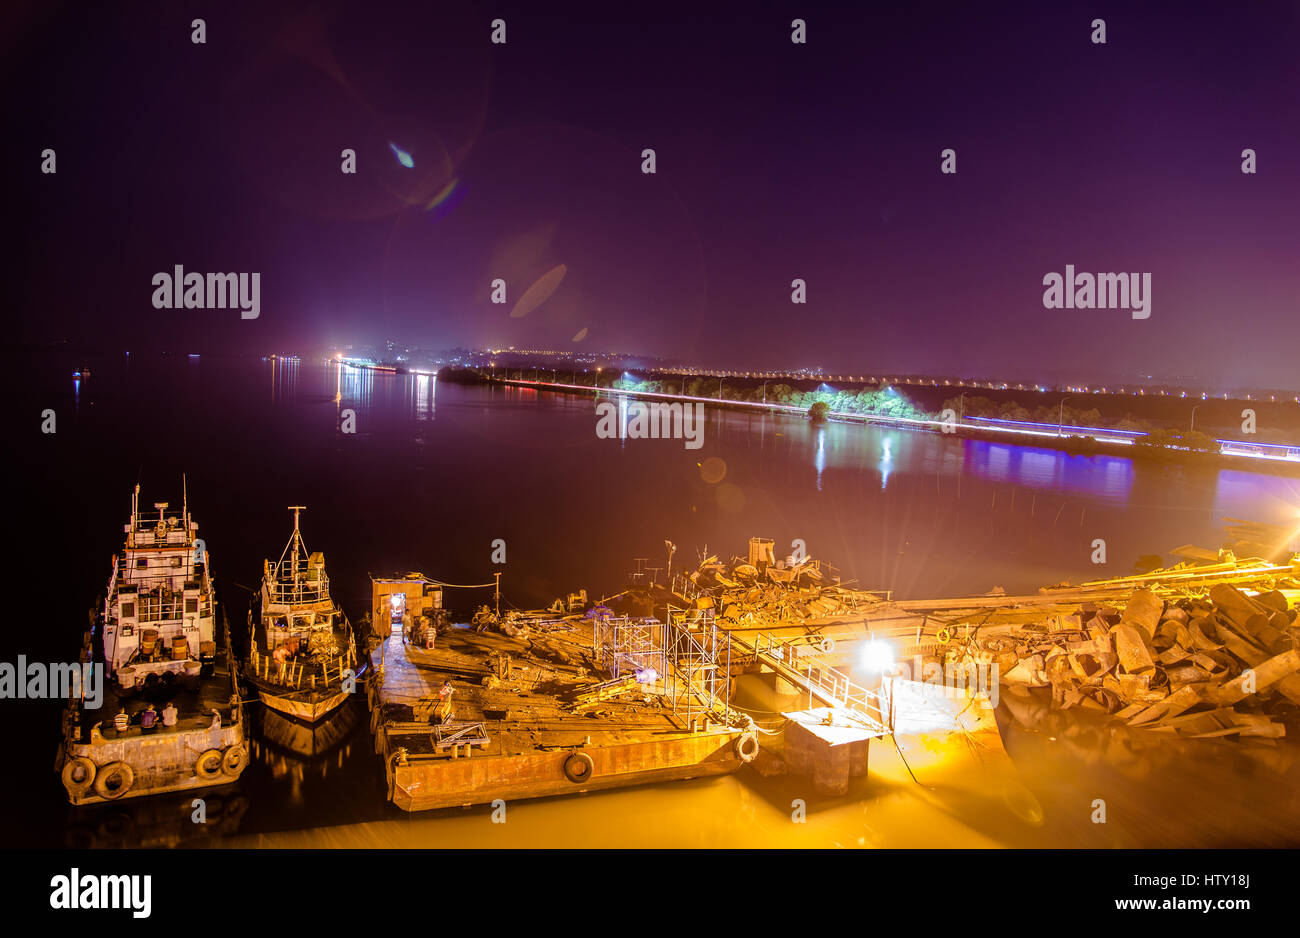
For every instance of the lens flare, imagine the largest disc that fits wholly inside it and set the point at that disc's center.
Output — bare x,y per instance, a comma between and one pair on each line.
539,292
402,156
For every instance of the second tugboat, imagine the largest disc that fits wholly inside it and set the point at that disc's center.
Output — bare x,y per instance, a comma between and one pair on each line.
302,653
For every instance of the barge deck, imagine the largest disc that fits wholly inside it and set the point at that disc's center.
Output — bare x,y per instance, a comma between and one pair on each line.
532,716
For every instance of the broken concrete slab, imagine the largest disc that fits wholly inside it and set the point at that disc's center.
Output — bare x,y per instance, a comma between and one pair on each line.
1134,656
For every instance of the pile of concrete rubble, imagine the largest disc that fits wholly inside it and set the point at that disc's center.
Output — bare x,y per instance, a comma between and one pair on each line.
1218,665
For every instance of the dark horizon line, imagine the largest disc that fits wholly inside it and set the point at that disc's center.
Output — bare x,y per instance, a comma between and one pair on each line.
1056,383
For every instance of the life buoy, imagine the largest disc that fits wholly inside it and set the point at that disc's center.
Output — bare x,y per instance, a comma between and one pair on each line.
746,746
578,767
114,780
828,645
234,760
208,765
944,635
78,776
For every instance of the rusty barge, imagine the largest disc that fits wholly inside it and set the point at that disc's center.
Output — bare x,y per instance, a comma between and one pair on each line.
546,704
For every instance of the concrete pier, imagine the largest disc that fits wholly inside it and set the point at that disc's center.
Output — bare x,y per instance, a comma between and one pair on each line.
828,744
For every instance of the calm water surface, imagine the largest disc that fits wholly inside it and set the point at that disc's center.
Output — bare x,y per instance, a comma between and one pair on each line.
436,472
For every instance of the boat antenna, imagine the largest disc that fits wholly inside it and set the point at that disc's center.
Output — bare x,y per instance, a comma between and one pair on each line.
135,511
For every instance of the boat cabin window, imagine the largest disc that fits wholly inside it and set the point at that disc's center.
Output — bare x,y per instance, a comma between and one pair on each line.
192,604
141,563
128,610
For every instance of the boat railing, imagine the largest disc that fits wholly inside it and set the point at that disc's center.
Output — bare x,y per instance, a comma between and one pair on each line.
292,673
306,591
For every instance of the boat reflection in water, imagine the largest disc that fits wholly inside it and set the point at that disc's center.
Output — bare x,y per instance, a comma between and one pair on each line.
187,819
305,740
292,753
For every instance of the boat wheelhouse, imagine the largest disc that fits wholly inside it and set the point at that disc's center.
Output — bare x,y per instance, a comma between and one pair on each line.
302,656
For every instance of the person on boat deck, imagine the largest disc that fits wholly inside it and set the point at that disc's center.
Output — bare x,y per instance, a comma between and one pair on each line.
148,719
121,722
169,714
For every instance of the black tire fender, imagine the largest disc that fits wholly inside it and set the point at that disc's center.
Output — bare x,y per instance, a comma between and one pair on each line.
578,767
208,765
78,776
746,746
114,780
234,759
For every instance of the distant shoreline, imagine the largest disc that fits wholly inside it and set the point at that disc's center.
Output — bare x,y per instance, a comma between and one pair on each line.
1075,445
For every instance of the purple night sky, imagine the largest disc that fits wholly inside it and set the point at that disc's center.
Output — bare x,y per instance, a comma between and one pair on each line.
775,161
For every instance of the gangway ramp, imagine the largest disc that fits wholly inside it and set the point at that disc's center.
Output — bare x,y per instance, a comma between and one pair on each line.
800,665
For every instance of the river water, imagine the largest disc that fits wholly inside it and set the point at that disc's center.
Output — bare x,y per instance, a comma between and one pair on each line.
435,473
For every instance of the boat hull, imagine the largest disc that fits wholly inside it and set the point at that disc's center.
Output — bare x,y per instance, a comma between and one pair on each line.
160,763
424,784
170,759
308,709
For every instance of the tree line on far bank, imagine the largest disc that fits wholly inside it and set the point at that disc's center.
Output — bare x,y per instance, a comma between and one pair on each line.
889,402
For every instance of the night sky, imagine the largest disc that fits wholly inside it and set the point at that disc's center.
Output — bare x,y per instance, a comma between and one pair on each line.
775,161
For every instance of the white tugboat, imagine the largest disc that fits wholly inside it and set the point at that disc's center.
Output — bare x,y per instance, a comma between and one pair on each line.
302,653
171,717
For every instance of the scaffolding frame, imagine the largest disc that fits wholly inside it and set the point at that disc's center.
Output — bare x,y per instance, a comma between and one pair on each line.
624,645
700,666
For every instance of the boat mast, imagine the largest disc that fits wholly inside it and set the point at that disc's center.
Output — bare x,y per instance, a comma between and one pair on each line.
135,511
295,546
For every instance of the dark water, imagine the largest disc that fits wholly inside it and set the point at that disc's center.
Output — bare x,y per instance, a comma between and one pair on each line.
436,472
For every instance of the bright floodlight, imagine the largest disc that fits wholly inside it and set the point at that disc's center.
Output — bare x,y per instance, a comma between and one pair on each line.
877,656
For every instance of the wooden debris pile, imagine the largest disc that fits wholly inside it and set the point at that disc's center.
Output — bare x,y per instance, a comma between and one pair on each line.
1218,665
783,591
